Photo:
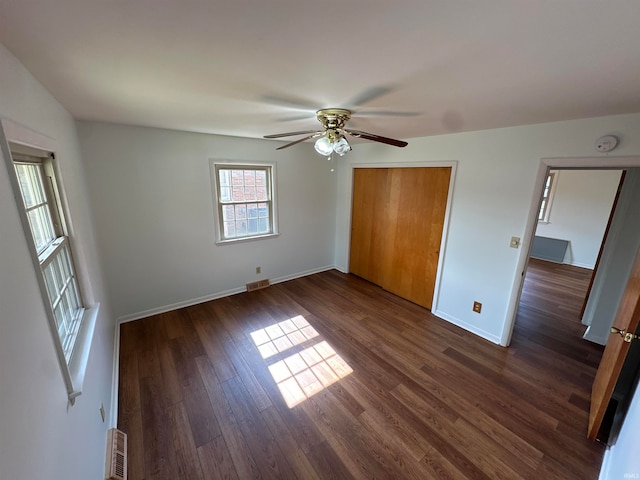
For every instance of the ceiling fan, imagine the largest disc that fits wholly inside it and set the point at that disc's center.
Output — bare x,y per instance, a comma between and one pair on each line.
332,137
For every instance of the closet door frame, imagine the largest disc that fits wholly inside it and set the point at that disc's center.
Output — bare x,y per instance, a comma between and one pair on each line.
445,230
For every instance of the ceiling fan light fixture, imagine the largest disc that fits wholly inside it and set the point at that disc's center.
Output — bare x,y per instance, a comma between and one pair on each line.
341,146
323,146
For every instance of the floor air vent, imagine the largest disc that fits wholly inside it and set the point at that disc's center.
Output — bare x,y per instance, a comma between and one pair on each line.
116,467
257,285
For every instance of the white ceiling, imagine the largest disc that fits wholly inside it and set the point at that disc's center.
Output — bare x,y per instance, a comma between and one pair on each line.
251,67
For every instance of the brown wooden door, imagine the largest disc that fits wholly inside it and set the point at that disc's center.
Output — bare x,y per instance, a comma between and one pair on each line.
615,352
397,223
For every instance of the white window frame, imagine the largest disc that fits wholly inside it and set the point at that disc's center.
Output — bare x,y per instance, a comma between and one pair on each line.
219,203
33,148
547,196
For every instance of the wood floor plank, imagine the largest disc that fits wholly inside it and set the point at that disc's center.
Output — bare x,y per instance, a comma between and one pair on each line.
215,461
187,461
415,396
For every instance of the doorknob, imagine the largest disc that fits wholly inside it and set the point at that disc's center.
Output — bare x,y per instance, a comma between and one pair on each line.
626,336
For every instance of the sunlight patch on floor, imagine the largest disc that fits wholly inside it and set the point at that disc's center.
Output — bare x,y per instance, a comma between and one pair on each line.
305,373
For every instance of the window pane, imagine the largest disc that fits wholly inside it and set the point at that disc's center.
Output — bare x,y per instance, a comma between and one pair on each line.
250,193
241,212
237,194
237,177
241,228
253,226
225,194
229,229
30,180
249,177
252,210
263,225
228,213
224,178
41,227
263,211
261,177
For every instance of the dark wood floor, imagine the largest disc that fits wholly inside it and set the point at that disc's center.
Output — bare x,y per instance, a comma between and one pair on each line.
393,391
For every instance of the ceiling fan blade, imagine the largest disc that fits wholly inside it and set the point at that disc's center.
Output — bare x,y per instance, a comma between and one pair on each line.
293,118
377,138
383,113
316,134
290,134
290,102
369,95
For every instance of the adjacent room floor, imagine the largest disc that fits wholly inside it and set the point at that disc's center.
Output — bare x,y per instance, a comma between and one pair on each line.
329,376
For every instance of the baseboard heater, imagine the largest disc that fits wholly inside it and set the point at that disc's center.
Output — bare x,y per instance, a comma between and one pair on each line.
116,465
551,249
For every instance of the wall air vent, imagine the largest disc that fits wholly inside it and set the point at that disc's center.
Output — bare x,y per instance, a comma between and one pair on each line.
116,465
257,285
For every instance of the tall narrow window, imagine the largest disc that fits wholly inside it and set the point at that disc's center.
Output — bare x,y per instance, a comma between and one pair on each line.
41,203
244,197
547,197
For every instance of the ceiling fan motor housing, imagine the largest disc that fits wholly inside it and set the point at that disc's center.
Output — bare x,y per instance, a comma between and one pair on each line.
333,118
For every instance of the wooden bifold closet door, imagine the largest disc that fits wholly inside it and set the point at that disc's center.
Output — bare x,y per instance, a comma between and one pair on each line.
397,220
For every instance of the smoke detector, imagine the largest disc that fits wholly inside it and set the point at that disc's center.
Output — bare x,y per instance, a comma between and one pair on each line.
606,144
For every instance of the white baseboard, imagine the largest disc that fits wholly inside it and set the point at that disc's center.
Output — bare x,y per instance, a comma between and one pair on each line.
588,266
214,296
588,335
606,462
467,326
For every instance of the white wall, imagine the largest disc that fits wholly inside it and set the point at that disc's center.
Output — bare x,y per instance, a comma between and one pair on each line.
580,211
493,192
152,194
41,436
622,244
621,461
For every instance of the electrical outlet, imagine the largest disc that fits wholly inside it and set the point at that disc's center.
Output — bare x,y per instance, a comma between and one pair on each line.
258,269
102,412
515,242
477,307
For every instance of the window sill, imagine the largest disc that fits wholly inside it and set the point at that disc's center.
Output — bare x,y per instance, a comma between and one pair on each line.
78,365
246,239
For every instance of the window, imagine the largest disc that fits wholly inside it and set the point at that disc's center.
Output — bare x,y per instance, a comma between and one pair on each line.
245,204
70,316
547,197
46,222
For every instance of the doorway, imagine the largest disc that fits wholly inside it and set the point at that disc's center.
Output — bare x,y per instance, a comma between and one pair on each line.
617,276
575,213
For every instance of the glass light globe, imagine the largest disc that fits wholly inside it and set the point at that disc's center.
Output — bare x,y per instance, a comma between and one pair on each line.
323,146
341,146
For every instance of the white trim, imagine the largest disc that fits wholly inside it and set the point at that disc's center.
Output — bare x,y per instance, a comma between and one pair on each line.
606,465
80,356
22,135
453,164
214,296
115,378
467,326
546,164
271,168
